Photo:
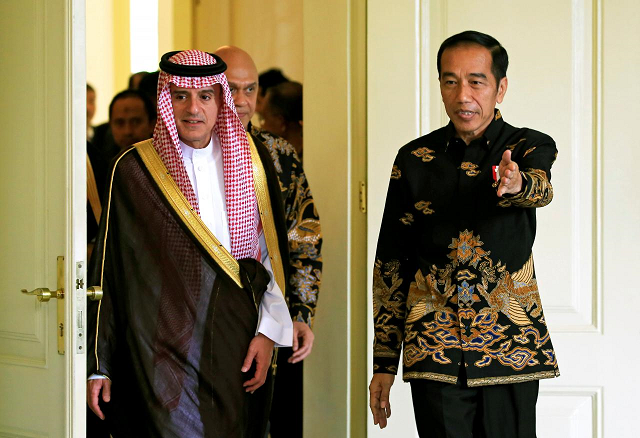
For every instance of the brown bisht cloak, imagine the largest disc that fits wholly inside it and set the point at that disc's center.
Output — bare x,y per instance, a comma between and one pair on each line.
178,312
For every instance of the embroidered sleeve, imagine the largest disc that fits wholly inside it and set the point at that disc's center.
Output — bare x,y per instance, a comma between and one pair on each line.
303,228
535,163
305,242
391,274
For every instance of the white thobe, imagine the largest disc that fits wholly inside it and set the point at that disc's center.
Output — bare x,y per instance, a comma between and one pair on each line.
205,170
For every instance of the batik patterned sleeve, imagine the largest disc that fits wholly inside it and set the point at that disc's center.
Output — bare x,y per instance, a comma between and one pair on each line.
535,153
303,228
305,242
392,273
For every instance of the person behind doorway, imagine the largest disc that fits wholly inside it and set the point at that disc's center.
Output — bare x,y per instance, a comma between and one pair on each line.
149,86
305,241
190,256
134,79
282,113
132,118
267,79
91,110
454,279
96,165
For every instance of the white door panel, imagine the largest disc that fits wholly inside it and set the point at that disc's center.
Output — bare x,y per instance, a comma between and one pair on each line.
42,216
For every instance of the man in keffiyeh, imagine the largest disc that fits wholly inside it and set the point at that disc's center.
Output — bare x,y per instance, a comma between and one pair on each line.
189,257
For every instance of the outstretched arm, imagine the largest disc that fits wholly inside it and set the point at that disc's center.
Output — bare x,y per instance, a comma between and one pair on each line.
525,174
510,177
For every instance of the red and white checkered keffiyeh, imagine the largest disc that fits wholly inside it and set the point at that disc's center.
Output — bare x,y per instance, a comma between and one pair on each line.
242,209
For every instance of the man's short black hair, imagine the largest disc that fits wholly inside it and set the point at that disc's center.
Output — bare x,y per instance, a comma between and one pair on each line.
149,86
132,78
270,78
499,57
285,100
148,106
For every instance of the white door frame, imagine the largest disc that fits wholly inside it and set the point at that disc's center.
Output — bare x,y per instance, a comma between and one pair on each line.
76,251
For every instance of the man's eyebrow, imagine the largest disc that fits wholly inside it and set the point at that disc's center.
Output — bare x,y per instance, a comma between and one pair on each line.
449,74
236,85
478,75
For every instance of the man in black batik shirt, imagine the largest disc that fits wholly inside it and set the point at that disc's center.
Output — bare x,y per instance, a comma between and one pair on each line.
454,278
305,242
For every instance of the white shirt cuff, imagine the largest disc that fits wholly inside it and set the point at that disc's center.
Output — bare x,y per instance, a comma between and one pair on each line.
96,376
274,320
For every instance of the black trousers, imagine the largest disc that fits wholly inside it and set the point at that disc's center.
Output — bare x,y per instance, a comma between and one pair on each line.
286,409
443,410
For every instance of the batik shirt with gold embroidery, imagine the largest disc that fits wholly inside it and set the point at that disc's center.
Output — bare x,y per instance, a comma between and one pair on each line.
303,225
454,280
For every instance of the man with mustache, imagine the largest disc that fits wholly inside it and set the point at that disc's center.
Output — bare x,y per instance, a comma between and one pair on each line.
454,284
189,256
131,118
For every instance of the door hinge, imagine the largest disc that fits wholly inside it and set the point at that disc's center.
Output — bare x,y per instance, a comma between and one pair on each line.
363,197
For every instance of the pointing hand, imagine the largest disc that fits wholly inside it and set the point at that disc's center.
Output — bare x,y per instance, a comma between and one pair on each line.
510,177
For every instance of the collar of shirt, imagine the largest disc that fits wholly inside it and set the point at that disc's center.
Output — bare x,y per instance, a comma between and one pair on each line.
488,137
204,154
206,173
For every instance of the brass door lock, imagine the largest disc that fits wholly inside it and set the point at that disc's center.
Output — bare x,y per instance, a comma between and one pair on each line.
44,295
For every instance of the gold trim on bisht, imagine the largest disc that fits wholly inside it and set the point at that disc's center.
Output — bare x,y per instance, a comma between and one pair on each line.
185,213
266,215
104,249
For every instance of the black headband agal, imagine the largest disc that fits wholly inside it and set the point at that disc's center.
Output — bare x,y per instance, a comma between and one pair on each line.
191,70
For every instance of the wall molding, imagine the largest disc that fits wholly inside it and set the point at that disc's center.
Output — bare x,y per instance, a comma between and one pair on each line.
11,432
35,333
23,361
581,408
584,312
582,309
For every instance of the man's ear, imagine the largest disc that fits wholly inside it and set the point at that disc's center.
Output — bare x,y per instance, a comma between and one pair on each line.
502,89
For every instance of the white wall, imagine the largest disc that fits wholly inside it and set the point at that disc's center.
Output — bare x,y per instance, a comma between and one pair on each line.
100,54
335,397
269,30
